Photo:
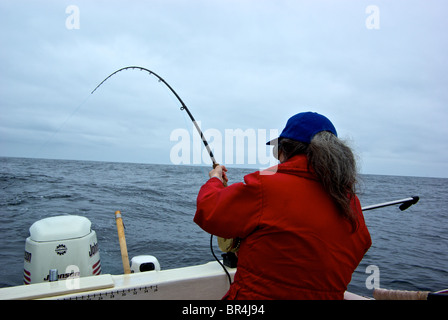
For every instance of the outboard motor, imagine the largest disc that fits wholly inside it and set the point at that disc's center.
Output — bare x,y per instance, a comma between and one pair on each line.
60,248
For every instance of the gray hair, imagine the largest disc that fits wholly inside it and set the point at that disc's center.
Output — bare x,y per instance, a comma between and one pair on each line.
334,165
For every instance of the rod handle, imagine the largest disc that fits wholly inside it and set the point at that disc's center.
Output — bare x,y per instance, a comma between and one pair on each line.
223,181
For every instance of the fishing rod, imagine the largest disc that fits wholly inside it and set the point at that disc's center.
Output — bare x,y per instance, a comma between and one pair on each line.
183,107
405,203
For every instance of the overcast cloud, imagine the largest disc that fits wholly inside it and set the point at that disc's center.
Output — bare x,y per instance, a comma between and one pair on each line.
237,64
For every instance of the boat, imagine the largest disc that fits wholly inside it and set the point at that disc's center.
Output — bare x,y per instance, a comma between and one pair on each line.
202,282
62,262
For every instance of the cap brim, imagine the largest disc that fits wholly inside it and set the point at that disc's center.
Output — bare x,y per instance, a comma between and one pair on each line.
273,142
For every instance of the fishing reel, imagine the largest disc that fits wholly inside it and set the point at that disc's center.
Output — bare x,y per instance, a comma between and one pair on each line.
230,247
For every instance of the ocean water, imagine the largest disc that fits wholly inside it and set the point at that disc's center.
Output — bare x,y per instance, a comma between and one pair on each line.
158,202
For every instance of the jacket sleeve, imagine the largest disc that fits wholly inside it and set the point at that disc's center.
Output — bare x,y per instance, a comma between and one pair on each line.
232,211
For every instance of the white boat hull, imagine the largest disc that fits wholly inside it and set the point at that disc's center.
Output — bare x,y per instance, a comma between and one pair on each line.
202,282
207,281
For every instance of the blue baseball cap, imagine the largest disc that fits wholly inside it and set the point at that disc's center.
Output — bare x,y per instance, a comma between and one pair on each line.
303,126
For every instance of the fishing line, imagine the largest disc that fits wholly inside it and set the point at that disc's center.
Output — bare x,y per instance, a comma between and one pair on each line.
216,258
183,107
61,126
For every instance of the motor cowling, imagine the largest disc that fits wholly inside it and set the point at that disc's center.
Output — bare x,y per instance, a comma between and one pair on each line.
60,248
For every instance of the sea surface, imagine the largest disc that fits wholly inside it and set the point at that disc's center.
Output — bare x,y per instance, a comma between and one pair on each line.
158,202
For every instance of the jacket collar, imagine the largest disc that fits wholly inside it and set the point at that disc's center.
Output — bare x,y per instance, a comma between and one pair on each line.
297,166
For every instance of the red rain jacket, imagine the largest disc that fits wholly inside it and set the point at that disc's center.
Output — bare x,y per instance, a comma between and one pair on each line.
295,243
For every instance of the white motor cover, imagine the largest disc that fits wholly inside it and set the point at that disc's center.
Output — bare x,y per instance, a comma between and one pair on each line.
66,243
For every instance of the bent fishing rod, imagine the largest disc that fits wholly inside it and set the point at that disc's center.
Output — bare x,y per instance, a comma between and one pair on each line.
183,105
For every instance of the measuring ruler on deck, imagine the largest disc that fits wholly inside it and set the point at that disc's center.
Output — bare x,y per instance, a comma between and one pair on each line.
117,294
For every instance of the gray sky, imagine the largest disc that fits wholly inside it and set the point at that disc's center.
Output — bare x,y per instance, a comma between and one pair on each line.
237,64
